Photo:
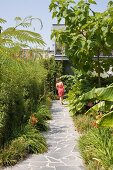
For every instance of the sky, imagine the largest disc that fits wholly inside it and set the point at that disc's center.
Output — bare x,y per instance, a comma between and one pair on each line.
9,9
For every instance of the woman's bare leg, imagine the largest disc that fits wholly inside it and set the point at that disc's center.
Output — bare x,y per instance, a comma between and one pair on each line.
61,100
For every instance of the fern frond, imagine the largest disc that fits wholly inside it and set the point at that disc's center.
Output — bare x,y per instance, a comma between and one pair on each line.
2,20
24,36
14,38
27,21
18,19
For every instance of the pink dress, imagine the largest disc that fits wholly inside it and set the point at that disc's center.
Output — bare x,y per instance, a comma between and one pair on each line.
60,88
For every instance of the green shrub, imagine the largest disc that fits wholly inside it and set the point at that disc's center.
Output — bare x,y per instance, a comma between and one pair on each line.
68,81
83,83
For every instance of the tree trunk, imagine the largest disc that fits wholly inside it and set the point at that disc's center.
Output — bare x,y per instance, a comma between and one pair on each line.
0,29
98,70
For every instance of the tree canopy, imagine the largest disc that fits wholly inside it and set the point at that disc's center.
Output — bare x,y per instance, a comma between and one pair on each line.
87,33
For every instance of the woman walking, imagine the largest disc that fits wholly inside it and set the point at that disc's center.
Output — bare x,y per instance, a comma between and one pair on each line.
60,89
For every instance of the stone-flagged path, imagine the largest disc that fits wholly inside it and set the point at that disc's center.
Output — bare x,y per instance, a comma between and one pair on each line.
62,141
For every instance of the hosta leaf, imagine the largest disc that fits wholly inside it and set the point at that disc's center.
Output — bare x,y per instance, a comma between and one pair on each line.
106,120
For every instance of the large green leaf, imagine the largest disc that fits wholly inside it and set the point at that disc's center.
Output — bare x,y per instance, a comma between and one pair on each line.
103,106
105,94
106,120
96,108
101,94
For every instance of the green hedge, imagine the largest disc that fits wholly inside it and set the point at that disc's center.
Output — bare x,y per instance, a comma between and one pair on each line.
22,85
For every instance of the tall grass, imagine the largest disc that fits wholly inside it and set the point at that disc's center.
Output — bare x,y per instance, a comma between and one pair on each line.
97,149
22,84
28,140
22,94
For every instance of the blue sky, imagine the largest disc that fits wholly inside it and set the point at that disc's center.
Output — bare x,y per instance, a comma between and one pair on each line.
9,9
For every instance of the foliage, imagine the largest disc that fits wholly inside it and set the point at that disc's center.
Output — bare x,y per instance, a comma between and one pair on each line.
95,95
36,142
43,114
101,94
68,81
25,140
54,70
106,120
29,140
83,123
86,34
22,84
96,143
14,152
13,39
97,149
83,83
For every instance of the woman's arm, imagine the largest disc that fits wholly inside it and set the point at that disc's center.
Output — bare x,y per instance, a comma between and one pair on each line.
57,86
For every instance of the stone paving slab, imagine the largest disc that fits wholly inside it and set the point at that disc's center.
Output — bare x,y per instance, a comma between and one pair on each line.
62,142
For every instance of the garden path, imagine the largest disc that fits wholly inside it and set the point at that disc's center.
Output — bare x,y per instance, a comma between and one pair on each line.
62,140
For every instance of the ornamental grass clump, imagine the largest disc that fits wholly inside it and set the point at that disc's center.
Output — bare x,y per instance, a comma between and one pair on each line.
97,149
28,140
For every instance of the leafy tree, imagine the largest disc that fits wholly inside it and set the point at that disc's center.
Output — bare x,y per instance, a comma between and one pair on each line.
87,33
13,38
